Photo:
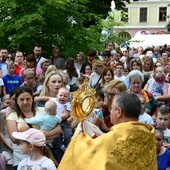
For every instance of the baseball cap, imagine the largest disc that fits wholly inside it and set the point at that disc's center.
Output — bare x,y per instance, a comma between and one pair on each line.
32,136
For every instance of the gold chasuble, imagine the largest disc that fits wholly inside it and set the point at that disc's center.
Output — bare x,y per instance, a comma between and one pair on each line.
128,146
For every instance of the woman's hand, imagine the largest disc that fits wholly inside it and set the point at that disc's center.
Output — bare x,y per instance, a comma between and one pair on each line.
53,133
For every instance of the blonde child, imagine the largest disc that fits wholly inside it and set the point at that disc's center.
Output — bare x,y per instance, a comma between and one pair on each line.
33,143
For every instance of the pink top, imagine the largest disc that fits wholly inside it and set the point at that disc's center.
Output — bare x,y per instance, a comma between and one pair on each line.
38,71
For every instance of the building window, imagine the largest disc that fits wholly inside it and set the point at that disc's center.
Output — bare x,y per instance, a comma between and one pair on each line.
125,35
143,15
162,13
124,15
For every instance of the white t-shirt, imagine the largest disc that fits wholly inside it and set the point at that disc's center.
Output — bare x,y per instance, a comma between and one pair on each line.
39,61
61,107
167,135
122,78
94,79
71,81
4,69
44,163
145,118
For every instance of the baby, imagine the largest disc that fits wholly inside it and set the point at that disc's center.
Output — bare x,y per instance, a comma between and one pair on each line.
62,103
61,106
62,100
48,121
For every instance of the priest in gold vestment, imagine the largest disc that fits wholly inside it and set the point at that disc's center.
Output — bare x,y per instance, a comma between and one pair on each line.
129,145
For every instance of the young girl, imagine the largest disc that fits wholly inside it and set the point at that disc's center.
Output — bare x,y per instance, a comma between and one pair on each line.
98,110
107,76
33,143
88,71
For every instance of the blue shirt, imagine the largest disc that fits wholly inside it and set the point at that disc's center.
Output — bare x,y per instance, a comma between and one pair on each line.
163,160
11,82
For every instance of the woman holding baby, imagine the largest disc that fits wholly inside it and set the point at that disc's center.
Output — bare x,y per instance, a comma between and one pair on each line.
25,108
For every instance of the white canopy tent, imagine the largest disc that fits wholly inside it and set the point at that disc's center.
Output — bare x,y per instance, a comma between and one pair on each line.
149,40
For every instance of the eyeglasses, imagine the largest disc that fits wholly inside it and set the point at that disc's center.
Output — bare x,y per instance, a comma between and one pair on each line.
124,51
110,94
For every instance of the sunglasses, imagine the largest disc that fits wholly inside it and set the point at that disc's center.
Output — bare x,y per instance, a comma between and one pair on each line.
135,59
9,57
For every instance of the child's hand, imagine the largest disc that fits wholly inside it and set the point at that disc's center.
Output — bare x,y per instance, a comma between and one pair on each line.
36,99
97,121
69,119
65,114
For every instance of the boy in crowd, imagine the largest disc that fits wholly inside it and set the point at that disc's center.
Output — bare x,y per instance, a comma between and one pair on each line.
11,81
106,57
162,121
144,117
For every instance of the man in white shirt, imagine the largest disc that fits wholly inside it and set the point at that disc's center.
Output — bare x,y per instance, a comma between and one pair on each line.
37,53
119,72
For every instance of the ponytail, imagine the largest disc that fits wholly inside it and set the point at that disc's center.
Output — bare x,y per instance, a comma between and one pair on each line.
46,152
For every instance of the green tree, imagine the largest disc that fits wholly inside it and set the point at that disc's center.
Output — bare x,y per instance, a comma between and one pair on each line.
73,25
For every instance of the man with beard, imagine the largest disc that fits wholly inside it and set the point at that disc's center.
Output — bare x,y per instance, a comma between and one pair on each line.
37,53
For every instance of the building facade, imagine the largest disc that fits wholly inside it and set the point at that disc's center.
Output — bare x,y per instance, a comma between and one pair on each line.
144,17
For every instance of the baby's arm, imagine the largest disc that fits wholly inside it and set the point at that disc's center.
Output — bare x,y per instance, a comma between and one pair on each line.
58,119
41,98
33,120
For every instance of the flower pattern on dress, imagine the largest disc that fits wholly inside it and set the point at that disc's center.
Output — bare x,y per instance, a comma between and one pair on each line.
133,152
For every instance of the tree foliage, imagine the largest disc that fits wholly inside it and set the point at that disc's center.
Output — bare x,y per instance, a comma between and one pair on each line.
73,25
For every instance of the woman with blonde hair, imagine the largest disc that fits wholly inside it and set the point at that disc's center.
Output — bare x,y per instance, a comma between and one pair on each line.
50,68
29,80
148,65
53,81
114,87
95,77
79,62
44,65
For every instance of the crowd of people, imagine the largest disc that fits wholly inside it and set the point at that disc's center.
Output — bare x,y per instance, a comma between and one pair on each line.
36,117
